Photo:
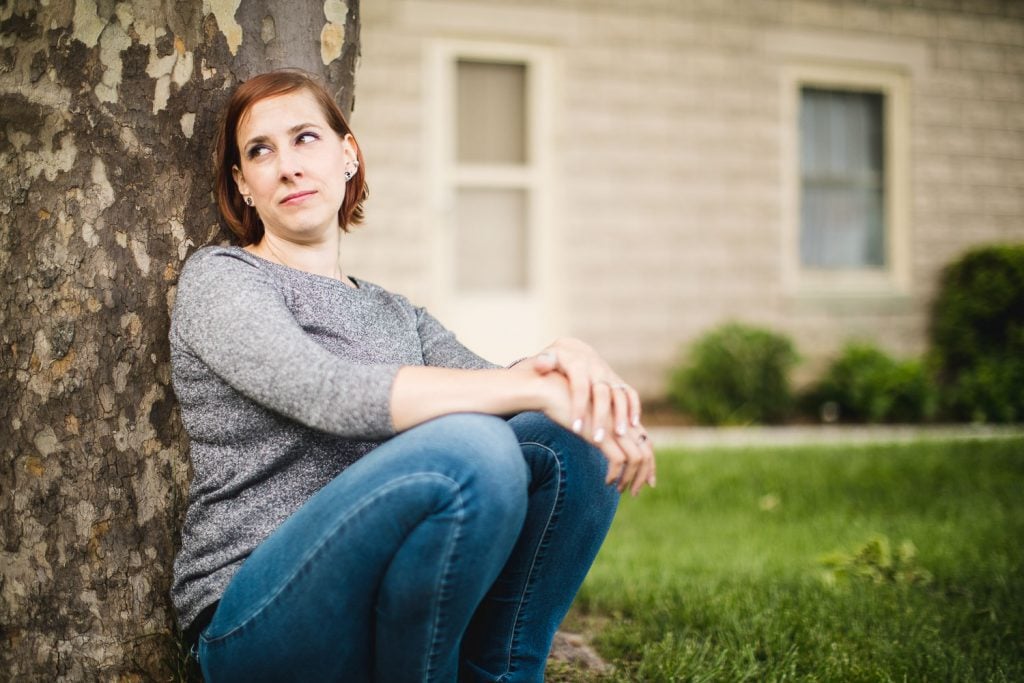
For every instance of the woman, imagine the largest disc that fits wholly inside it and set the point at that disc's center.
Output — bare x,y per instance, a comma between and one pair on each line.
359,509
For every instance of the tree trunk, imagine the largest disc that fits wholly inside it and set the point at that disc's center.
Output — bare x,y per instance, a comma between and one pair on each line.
107,115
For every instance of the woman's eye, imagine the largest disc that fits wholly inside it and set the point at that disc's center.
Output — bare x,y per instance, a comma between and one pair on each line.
307,137
257,151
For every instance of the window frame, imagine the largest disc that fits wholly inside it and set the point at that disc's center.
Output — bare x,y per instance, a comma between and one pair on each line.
893,84
536,304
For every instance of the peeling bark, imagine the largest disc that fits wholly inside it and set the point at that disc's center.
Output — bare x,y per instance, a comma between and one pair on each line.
107,114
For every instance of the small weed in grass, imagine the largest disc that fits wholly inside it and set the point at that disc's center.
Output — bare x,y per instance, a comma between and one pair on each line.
876,561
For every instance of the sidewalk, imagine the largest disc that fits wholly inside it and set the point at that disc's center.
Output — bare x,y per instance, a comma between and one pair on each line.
813,435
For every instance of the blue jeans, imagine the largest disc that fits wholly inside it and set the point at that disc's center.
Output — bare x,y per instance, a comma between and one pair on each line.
452,551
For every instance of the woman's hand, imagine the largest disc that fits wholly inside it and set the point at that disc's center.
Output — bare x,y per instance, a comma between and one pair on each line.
594,385
630,459
624,444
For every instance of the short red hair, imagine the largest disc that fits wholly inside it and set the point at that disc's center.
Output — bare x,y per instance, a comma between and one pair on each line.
243,220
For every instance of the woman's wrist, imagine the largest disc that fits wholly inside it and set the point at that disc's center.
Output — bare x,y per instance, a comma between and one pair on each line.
422,393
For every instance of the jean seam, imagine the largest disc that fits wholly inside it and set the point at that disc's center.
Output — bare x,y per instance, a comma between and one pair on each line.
314,550
537,554
452,541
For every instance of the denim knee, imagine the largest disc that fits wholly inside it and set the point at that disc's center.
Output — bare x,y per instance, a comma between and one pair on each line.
482,454
583,464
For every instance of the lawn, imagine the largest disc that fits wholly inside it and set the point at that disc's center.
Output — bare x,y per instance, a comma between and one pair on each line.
718,574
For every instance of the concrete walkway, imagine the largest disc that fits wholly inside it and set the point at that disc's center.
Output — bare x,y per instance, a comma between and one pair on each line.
813,435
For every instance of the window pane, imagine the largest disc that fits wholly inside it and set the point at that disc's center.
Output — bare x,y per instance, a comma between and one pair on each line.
490,247
491,112
843,228
842,217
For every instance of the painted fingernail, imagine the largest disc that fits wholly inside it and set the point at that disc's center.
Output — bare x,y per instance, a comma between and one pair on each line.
577,425
653,481
599,435
620,429
636,421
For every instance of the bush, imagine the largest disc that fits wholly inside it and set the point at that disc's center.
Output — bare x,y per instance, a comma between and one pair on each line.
864,384
977,335
736,374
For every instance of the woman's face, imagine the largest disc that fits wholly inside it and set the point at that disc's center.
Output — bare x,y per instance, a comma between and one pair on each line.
292,165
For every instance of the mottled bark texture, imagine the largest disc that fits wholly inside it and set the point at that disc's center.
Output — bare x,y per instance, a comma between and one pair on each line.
107,114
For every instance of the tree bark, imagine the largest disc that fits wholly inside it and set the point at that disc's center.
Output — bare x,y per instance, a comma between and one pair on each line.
107,116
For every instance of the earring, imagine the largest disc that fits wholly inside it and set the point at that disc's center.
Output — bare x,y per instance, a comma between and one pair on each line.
351,171
249,201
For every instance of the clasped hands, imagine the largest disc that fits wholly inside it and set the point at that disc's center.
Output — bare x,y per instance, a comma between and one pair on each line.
596,404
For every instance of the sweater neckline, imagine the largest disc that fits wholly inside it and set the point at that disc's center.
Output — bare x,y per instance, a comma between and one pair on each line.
360,285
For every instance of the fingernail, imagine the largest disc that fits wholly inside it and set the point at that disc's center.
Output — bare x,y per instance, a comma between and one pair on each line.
620,429
636,421
577,425
653,481
599,435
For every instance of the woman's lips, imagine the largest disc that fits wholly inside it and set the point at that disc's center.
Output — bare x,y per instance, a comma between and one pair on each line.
296,197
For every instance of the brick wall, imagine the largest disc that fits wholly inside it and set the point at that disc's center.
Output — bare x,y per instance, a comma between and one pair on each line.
668,154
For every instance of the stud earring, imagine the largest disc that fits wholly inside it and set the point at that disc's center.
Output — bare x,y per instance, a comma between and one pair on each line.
351,170
249,201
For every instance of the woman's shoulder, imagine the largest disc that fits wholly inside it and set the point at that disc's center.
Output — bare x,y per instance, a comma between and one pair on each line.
214,262
216,256
216,270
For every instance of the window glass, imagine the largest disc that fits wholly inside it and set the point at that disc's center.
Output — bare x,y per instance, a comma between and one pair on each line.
491,112
491,239
842,213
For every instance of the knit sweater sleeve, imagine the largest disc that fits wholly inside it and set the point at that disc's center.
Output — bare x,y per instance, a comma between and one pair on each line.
233,318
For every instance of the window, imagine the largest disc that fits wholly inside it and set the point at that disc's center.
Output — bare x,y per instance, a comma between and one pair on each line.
846,197
842,188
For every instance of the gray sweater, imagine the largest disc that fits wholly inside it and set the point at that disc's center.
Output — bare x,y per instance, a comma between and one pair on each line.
284,379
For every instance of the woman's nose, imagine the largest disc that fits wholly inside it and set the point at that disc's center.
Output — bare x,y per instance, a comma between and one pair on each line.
289,164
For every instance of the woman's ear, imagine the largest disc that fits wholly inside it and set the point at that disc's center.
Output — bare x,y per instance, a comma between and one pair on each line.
243,187
351,149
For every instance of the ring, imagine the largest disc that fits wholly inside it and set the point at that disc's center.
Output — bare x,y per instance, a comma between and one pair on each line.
550,354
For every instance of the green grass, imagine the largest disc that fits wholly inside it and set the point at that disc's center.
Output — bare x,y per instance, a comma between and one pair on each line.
717,575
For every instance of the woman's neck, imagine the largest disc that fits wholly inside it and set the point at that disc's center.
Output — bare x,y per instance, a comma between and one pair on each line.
319,259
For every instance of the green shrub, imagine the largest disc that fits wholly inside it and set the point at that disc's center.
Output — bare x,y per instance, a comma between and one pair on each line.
736,374
977,335
864,384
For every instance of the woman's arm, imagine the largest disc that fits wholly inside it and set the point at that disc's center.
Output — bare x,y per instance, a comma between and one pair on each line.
422,393
231,320
601,408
